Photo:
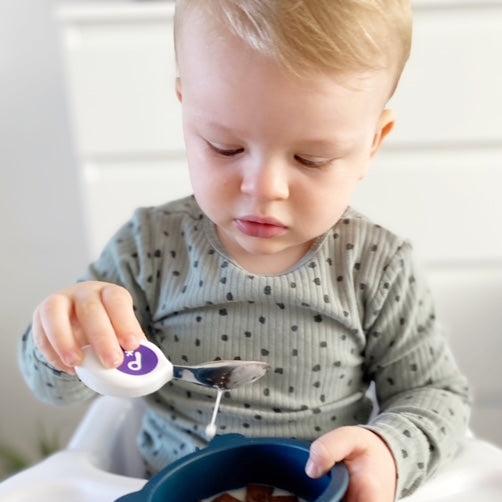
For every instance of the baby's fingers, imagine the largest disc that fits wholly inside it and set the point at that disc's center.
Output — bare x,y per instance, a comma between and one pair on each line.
42,342
55,314
119,307
93,319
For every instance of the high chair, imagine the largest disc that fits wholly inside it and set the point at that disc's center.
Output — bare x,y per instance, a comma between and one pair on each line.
101,463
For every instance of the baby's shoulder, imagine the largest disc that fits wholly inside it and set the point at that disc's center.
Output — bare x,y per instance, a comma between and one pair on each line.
172,224
362,241
176,212
176,219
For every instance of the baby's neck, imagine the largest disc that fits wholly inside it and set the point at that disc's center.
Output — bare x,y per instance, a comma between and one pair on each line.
268,264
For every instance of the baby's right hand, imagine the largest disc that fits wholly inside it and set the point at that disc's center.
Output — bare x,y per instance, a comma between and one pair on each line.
93,313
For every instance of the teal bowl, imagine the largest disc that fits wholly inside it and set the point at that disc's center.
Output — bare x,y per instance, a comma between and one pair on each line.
233,461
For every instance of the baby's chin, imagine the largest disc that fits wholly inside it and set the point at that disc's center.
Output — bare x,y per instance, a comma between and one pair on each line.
257,246
284,245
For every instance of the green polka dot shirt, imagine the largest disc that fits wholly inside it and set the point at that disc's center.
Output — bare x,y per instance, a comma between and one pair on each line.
353,311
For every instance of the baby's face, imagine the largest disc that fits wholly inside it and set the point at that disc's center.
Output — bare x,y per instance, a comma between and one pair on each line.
262,144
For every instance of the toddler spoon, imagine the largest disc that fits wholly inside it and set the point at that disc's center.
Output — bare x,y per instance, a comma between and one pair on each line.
146,369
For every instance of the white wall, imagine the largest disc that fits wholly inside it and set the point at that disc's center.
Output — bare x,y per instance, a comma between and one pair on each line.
42,240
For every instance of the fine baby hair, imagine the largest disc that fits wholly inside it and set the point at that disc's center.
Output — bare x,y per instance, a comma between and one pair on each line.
312,36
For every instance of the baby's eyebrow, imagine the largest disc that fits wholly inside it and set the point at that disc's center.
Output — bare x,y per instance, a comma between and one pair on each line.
330,140
328,144
212,123
310,142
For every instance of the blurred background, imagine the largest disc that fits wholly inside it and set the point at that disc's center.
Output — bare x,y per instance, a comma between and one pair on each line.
90,129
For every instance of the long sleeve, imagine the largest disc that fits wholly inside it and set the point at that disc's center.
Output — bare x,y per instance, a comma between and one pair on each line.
46,382
424,399
124,261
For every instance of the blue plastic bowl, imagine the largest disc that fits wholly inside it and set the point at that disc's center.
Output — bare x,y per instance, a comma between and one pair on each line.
232,461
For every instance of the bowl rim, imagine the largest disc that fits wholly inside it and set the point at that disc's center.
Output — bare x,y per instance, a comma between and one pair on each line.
339,475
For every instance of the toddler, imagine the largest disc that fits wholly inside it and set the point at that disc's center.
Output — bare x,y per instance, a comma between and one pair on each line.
284,110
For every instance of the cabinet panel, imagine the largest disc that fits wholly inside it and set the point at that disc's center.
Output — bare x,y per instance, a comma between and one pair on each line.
112,191
121,75
468,306
451,91
447,203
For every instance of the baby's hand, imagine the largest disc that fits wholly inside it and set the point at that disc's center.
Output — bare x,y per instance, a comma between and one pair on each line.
96,313
368,458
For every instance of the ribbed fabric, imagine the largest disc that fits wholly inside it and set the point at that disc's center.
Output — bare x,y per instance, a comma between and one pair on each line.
354,309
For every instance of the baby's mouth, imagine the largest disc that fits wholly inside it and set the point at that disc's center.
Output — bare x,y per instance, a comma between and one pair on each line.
260,227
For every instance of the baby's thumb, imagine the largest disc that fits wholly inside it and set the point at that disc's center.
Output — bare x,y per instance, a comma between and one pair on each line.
319,461
326,451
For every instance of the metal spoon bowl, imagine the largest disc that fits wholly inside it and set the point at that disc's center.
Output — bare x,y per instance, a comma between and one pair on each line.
223,375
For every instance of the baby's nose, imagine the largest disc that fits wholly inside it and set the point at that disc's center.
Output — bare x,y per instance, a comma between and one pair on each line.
266,181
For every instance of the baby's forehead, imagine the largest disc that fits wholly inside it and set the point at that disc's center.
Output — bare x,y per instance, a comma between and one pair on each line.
248,87
211,57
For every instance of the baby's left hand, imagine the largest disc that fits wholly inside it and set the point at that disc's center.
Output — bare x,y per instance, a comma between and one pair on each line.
371,464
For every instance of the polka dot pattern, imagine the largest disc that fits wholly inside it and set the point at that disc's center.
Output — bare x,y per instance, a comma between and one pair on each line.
354,309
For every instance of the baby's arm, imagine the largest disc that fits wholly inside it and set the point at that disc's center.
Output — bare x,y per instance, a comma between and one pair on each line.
98,311
424,399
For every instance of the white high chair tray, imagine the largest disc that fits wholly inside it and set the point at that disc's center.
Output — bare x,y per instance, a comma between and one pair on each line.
83,471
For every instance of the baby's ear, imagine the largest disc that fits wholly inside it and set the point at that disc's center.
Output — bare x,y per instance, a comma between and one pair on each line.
385,126
177,85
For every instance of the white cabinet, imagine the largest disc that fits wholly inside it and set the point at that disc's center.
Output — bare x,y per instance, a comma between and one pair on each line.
437,181
121,71
114,188
451,92
127,121
446,200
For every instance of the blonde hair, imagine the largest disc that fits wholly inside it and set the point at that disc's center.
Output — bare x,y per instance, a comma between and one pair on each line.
305,36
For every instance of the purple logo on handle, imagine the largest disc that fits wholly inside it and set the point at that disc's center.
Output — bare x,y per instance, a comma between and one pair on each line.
139,362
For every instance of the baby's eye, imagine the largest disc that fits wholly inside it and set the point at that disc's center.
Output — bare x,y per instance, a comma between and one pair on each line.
311,163
226,153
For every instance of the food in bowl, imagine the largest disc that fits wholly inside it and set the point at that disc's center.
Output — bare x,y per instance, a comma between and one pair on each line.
255,493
